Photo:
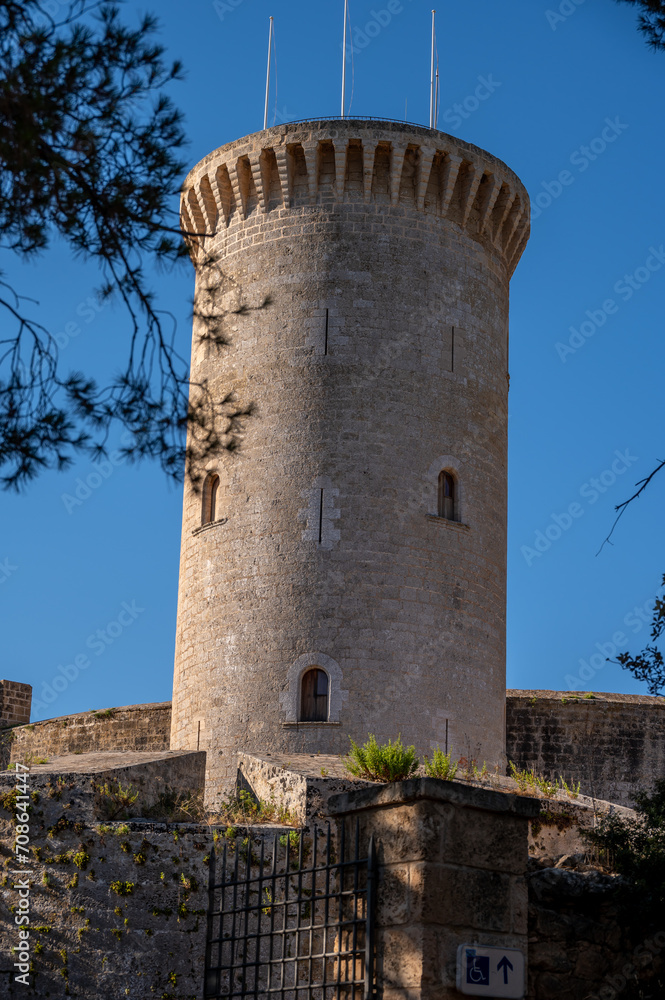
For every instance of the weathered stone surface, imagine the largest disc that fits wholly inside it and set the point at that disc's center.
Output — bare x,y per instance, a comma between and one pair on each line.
613,744
430,899
579,943
116,908
132,728
15,702
380,361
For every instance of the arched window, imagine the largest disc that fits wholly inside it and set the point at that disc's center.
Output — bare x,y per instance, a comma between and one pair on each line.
209,505
314,696
447,496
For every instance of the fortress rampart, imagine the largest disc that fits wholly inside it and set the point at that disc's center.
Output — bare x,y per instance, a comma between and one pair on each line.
132,727
611,743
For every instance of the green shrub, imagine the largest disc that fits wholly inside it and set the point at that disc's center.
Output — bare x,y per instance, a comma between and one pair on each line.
635,847
441,765
388,762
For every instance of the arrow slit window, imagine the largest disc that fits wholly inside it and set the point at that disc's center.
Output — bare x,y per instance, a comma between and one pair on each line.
447,496
209,500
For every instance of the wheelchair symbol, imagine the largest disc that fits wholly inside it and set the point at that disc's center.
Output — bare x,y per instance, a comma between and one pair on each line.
477,970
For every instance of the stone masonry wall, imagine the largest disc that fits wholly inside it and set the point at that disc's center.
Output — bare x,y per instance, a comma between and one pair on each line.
15,702
117,907
364,267
132,727
580,948
611,743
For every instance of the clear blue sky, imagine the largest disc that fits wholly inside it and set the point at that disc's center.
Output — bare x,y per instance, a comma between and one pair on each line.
556,84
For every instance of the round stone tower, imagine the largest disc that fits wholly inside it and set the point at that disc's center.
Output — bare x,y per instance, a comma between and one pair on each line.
343,572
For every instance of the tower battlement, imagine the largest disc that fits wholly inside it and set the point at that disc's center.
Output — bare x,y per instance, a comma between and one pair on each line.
357,162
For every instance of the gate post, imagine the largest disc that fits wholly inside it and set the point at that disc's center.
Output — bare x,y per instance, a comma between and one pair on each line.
451,863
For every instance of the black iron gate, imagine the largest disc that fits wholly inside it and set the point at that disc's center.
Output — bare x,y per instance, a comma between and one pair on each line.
292,918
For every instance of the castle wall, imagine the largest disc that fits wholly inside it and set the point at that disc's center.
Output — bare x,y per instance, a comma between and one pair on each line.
15,702
385,251
118,907
133,727
612,743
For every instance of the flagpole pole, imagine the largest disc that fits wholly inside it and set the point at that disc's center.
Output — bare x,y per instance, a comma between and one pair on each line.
431,79
346,14
265,112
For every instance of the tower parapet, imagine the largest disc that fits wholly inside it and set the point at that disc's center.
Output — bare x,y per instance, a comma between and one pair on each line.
344,570
359,162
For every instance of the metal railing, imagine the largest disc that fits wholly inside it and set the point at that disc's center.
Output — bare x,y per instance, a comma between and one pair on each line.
355,118
293,921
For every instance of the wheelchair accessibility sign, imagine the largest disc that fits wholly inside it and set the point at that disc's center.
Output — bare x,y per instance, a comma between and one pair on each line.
490,972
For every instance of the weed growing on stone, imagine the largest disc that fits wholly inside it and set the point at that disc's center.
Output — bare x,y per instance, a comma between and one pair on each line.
55,790
292,839
173,806
81,859
122,888
530,783
387,762
113,801
243,808
441,765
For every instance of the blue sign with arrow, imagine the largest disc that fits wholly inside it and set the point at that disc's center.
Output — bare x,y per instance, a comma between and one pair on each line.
488,971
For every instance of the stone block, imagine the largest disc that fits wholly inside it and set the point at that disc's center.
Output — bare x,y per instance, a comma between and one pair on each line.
394,894
399,951
469,897
492,841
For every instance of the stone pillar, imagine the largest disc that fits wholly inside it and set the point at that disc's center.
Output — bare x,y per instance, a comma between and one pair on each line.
451,870
15,703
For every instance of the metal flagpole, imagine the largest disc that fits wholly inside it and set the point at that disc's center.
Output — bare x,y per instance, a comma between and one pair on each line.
431,79
265,113
346,14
